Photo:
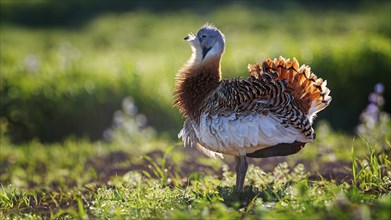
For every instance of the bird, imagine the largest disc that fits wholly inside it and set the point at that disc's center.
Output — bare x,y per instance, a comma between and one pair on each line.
269,113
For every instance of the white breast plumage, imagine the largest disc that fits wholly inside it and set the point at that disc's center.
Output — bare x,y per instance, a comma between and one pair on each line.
238,134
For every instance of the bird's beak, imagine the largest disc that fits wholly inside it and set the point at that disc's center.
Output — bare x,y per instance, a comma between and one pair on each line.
190,37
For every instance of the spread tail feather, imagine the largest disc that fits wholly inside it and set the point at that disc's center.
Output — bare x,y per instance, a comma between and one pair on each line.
310,92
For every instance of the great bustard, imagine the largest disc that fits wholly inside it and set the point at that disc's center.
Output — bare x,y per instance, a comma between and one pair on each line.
270,113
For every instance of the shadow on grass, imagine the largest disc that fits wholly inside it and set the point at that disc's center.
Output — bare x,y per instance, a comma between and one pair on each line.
246,198
108,166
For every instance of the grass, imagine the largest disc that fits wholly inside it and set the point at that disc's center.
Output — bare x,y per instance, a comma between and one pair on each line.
78,77
82,179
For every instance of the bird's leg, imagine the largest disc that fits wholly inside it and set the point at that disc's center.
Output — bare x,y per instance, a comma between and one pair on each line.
241,169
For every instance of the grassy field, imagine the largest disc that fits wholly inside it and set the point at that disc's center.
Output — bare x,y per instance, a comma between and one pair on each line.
336,177
88,131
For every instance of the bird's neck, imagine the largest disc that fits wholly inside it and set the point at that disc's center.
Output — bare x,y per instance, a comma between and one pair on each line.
195,81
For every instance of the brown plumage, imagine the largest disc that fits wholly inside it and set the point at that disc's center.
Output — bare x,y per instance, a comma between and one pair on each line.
270,113
194,83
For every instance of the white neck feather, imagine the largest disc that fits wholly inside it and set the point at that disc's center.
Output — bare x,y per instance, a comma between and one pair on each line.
196,56
217,50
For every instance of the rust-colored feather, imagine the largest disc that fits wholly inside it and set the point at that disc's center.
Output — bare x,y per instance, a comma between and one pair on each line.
194,83
308,90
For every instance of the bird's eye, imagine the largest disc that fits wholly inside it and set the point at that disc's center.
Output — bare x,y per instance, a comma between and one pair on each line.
203,36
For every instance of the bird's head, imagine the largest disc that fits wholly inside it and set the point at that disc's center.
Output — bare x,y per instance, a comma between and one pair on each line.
208,42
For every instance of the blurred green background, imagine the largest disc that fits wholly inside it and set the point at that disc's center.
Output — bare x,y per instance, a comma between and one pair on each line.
66,67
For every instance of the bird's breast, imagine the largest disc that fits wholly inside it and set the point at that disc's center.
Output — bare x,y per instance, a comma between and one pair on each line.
238,134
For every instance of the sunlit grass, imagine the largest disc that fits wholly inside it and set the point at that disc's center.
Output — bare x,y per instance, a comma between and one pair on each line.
112,180
132,171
